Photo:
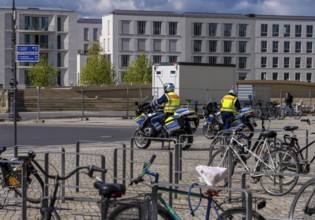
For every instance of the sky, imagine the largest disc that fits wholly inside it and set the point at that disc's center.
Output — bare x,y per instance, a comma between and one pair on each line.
98,8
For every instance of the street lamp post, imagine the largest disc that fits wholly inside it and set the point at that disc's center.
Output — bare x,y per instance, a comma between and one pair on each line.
13,115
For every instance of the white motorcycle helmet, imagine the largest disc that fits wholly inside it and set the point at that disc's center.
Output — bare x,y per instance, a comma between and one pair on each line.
233,92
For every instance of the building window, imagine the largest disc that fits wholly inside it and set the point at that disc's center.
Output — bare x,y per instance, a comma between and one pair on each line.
157,45
309,62
263,46
86,48
124,60
59,64
172,45
157,59
172,59
298,30
297,62
212,29
298,47
125,27
141,44
242,62
95,34
242,28
263,62
172,28
227,32
309,77
286,46
263,30
141,27
213,60
309,47
286,76
286,30
227,60
197,29
286,62
197,45
197,59
212,46
242,46
157,27
86,34
263,76
275,62
125,44
242,76
275,30
275,46
274,76
227,46
297,76
309,30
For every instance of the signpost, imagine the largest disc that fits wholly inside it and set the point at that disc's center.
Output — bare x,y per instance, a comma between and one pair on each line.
27,53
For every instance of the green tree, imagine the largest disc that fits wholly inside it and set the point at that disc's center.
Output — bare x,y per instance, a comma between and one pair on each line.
139,71
98,70
42,74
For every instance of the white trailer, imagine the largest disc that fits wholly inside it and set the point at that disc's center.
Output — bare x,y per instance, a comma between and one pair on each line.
194,82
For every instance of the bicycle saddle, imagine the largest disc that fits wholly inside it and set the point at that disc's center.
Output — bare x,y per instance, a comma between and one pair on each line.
290,128
110,189
269,134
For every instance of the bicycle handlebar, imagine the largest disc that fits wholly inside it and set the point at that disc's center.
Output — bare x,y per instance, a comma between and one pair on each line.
306,120
146,166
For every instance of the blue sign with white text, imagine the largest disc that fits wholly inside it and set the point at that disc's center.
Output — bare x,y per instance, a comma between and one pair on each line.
28,57
28,48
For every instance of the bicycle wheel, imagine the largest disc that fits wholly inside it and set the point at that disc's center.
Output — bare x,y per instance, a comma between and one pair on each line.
302,206
220,159
132,211
273,113
285,165
35,189
239,214
216,144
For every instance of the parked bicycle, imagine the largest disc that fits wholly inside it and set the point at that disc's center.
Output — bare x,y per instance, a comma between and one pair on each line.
11,177
295,111
303,204
212,203
273,166
291,143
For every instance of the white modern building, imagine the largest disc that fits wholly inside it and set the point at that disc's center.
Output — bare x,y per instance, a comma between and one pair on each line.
54,30
261,46
89,31
284,48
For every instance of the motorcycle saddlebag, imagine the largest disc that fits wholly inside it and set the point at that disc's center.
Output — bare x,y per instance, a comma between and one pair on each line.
174,122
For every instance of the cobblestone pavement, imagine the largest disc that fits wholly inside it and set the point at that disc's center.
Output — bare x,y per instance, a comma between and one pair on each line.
277,207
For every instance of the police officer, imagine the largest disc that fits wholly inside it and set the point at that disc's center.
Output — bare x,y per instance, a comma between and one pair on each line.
170,100
230,105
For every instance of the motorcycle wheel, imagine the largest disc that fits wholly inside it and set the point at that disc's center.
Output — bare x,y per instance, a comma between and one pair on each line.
208,132
248,131
141,140
185,139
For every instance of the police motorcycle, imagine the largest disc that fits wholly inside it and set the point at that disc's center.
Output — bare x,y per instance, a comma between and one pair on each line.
180,126
213,121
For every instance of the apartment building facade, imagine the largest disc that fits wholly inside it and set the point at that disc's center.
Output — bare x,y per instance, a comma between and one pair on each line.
262,47
54,30
284,48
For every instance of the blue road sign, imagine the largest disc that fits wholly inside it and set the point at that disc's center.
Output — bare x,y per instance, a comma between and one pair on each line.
27,48
28,57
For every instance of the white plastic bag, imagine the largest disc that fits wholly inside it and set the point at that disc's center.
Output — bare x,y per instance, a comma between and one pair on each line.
211,175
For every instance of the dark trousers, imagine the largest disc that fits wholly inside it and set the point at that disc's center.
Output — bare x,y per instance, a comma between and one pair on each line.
227,118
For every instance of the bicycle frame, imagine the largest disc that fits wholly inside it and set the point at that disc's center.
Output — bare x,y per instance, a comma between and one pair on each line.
209,198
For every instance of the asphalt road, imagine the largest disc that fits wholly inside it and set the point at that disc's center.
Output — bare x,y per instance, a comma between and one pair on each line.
43,135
